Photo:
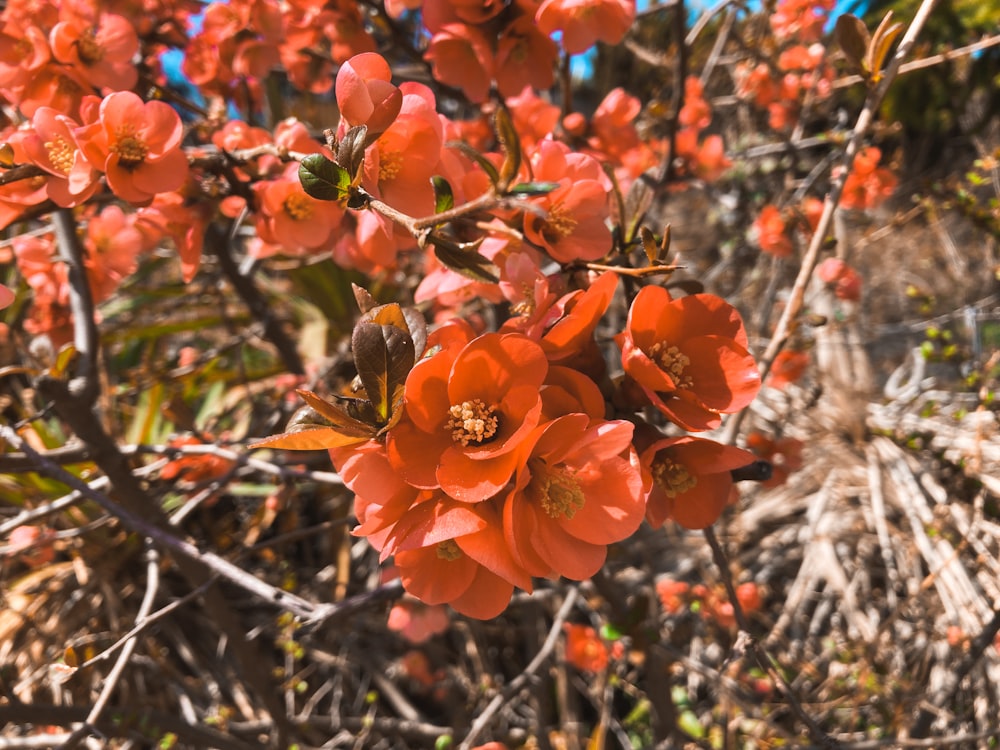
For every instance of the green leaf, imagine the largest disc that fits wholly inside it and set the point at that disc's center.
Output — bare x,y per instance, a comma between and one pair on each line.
444,198
323,179
463,260
528,189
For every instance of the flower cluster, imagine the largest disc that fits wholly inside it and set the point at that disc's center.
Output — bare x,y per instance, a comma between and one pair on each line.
802,68
493,461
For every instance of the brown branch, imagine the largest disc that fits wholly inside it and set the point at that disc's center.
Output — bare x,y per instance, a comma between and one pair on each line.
218,242
126,722
810,260
760,654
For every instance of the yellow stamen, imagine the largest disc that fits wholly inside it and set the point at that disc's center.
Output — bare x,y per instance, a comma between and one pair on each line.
448,550
673,362
298,206
473,422
389,165
131,149
558,224
89,49
557,491
672,477
61,153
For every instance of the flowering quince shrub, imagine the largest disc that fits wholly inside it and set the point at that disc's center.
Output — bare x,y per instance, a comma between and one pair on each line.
414,218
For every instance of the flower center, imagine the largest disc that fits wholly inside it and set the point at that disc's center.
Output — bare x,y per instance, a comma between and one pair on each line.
389,164
556,491
448,550
60,154
66,86
558,224
130,148
673,362
672,477
473,422
88,48
298,206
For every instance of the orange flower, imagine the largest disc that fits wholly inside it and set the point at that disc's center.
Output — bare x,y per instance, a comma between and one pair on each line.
455,563
102,52
6,297
365,93
468,412
689,356
770,229
417,622
584,22
672,595
688,479
137,144
696,112
525,57
113,245
573,225
577,493
844,280
32,545
534,118
52,146
399,165
788,367
585,649
292,219
195,467
867,186
784,455
461,57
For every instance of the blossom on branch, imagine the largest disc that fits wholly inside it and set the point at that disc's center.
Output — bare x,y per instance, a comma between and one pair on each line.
689,356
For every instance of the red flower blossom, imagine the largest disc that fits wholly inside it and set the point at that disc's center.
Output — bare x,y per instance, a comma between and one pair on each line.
584,22
461,56
784,455
525,57
137,144
577,492
585,649
770,229
573,225
688,479
458,564
844,280
868,185
788,367
689,356
290,218
417,622
52,146
672,595
102,52
468,413
365,93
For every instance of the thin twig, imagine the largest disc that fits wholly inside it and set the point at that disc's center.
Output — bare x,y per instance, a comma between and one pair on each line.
761,655
111,681
522,679
81,302
810,260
